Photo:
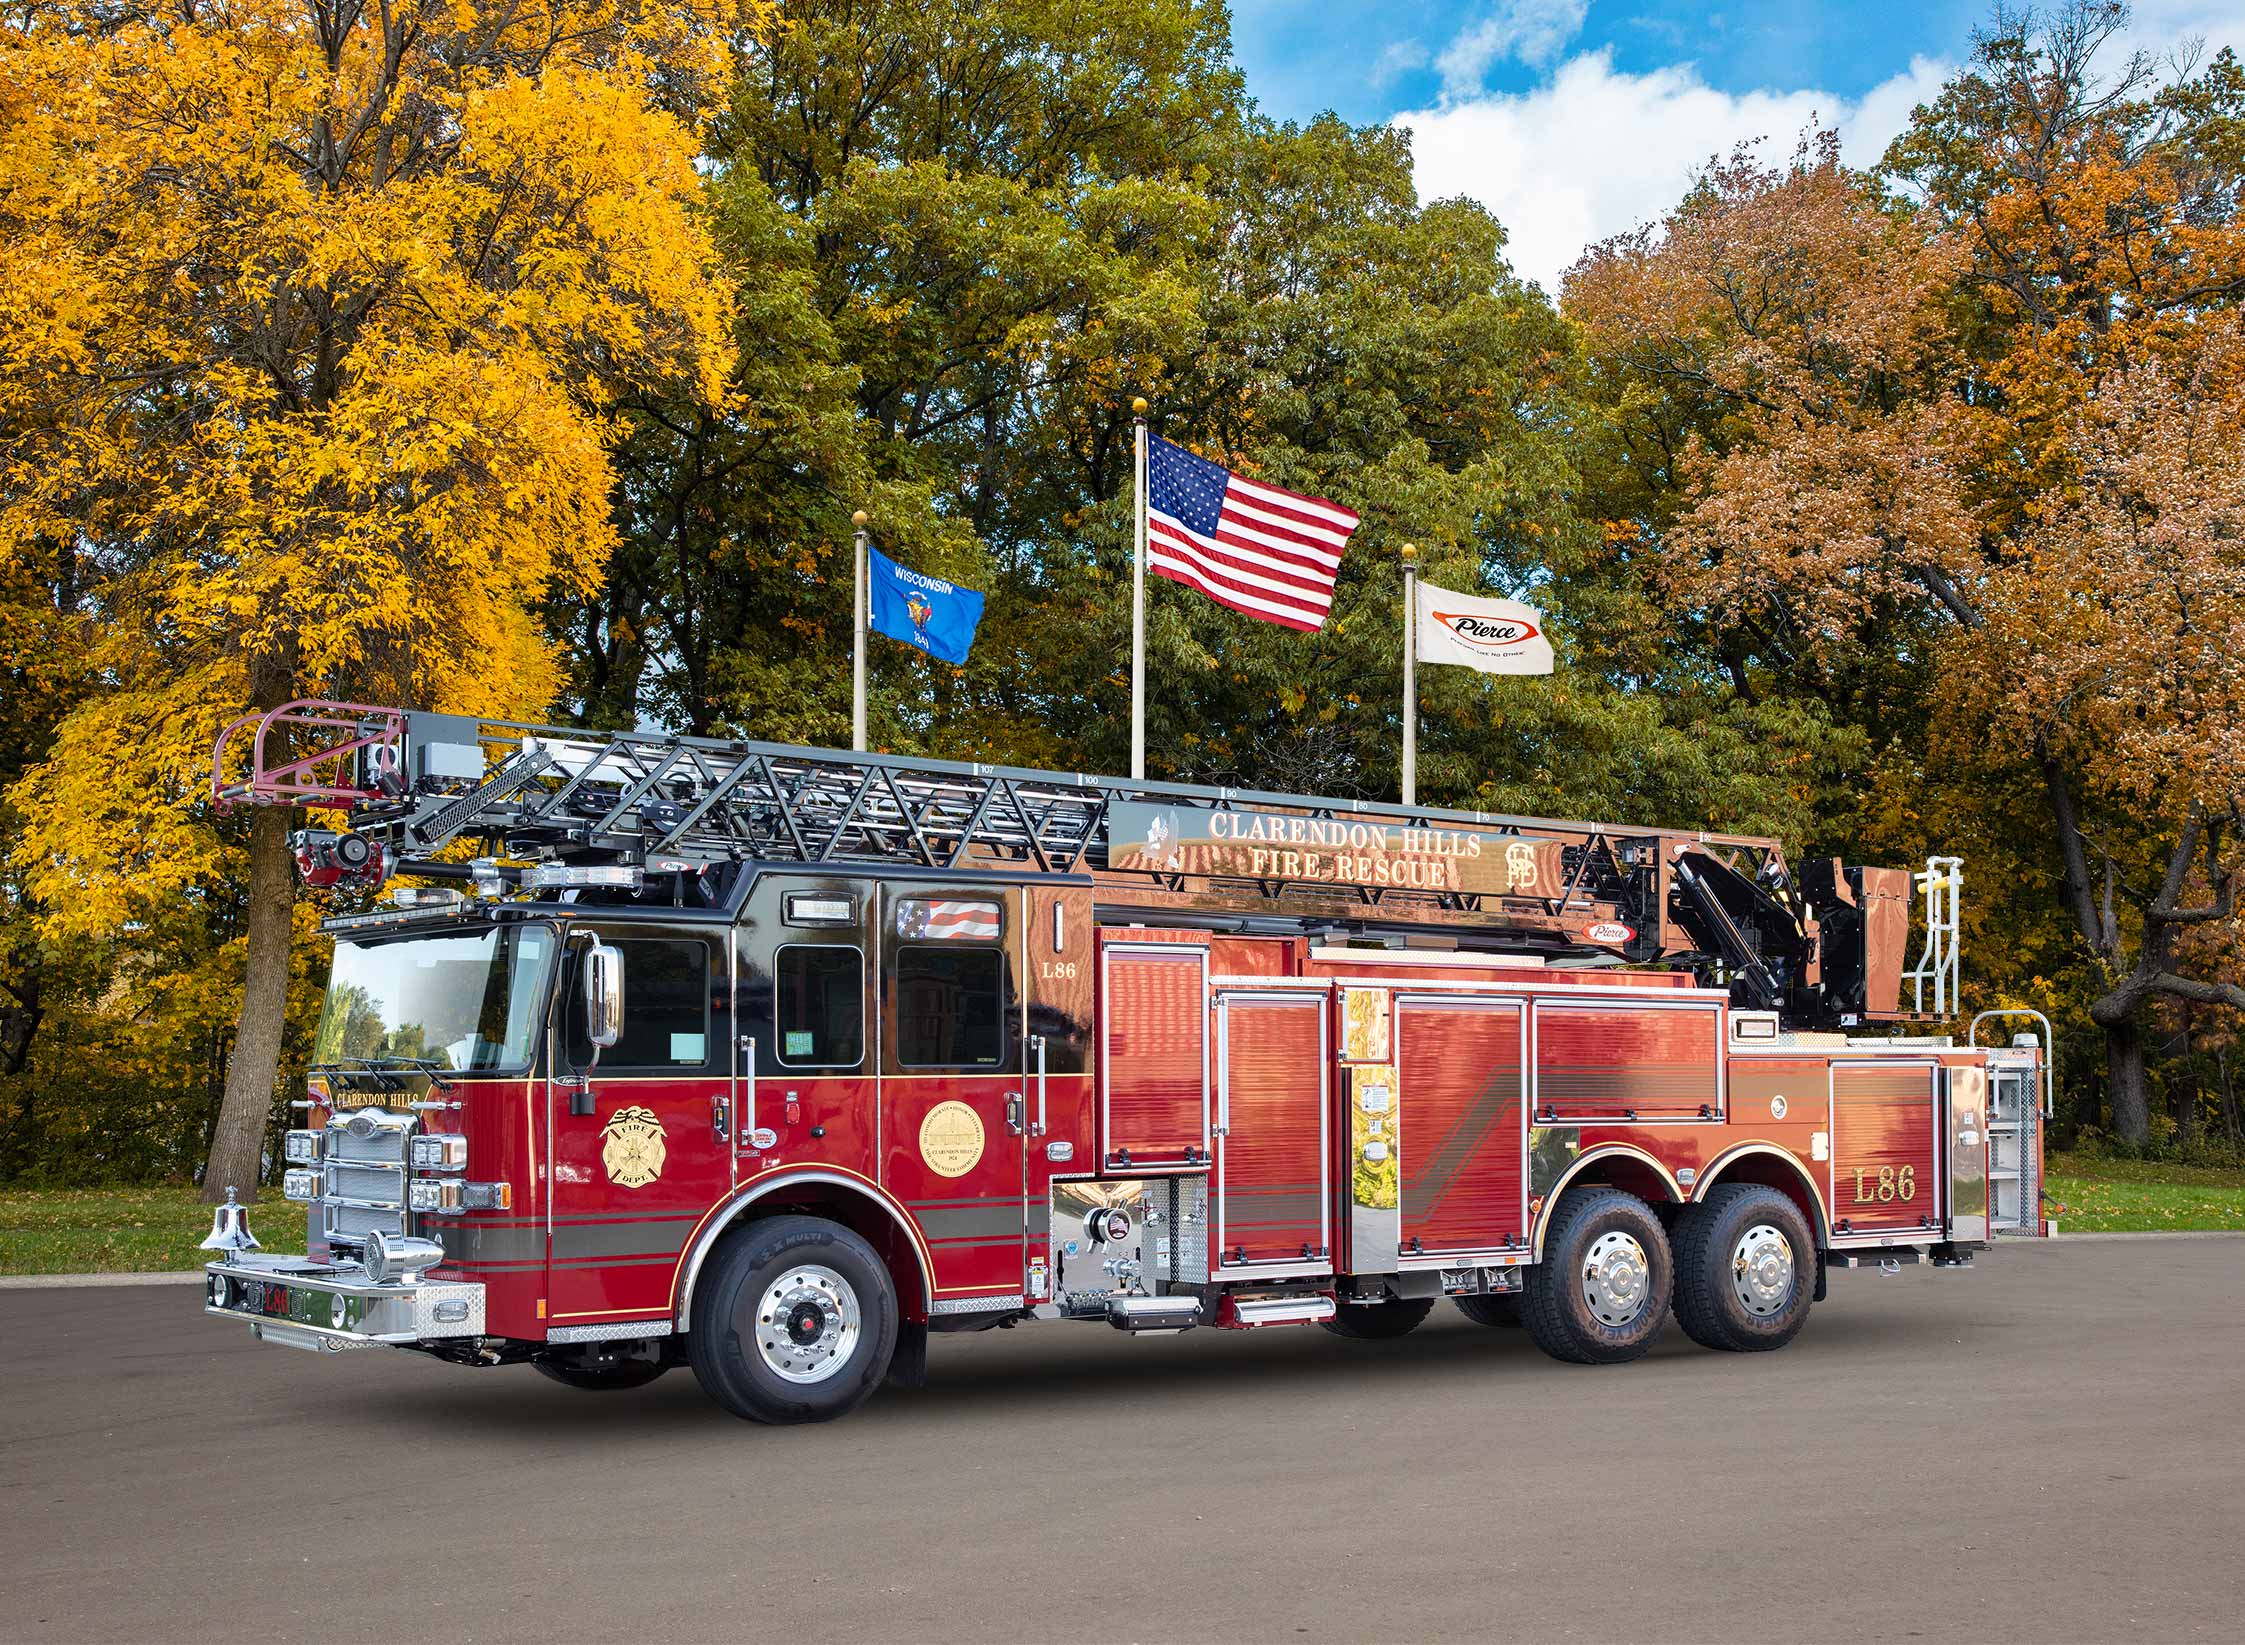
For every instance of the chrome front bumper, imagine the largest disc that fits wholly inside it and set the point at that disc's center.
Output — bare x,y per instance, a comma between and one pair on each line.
327,1307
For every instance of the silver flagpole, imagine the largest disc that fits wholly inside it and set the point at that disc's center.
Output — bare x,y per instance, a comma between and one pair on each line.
860,595
1410,674
1138,601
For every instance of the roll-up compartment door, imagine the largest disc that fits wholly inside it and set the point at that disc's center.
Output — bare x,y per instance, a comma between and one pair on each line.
1459,1118
1153,1065
1884,1142
1272,1201
1627,1061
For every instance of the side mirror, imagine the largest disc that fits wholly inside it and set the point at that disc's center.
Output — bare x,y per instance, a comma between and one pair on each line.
604,994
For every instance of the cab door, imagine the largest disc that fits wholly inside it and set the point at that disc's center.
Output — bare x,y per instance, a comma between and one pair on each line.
635,1149
957,1080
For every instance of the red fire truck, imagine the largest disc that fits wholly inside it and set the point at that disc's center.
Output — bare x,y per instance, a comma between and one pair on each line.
775,1061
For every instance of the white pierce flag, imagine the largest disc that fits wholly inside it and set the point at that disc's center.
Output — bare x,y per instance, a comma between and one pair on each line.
1495,636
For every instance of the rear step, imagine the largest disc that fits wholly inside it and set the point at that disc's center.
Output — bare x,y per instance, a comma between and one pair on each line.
1153,1316
1245,1313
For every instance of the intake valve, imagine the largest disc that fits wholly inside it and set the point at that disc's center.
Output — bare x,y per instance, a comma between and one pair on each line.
229,1229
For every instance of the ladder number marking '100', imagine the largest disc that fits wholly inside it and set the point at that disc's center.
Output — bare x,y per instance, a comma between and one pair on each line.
1889,1184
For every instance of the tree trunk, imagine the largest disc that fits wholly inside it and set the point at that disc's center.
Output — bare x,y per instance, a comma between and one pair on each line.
2124,1078
237,1145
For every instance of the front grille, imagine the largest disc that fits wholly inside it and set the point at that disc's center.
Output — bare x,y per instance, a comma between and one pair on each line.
363,1190
383,1184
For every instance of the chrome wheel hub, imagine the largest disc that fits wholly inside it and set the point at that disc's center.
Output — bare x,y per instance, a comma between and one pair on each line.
1762,1270
807,1324
1616,1278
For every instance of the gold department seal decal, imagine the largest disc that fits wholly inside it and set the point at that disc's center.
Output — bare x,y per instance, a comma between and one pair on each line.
631,1147
951,1139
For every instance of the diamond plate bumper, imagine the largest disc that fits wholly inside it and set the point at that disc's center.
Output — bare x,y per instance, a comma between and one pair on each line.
327,1308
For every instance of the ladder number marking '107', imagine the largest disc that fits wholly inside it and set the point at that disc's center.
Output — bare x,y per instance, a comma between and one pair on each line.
1889,1184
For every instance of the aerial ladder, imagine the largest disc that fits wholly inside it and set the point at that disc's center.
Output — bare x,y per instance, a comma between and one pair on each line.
678,817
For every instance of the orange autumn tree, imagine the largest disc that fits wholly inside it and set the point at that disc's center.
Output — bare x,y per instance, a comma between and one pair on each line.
312,316
1881,413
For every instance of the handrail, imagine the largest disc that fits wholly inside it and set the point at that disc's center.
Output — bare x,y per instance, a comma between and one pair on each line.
2049,1049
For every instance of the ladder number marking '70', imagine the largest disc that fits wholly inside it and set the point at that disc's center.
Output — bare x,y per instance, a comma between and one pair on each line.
1889,1184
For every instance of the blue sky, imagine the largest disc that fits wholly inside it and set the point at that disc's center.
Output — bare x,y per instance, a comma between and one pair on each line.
1576,119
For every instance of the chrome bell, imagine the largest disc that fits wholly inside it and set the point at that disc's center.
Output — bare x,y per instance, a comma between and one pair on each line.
229,1229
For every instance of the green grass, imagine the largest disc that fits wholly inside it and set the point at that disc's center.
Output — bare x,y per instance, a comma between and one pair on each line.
2137,1196
125,1230
142,1230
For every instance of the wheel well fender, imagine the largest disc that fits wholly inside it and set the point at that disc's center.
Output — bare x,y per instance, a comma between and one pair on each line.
1768,1166
1610,1165
857,1204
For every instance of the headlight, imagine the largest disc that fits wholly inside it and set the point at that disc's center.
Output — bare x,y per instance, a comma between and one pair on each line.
432,1194
301,1148
487,1196
301,1185
440,1152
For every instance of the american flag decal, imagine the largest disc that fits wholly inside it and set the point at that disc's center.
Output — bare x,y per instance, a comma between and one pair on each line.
1269,553
937,919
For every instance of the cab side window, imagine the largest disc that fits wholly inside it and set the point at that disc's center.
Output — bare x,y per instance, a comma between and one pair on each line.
819,994
668,1016
950,1007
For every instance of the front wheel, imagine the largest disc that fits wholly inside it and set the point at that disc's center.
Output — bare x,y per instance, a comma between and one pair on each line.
1745,1269
1379,1321
1601,1292
795,1322
1498,1308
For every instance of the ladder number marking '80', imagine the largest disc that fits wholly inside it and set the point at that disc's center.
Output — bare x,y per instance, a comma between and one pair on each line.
1889,1184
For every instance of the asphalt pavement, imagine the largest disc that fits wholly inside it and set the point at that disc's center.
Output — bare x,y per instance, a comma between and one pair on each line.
2050,1447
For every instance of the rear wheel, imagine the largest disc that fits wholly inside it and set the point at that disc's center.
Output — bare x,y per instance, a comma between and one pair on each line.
1378,1321
1601,1292
1499,1308
1745,1269
795,1321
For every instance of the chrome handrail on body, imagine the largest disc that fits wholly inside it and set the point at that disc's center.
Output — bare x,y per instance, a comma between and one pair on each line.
2049,1050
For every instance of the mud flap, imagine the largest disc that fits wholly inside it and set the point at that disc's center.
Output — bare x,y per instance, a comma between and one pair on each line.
908,1366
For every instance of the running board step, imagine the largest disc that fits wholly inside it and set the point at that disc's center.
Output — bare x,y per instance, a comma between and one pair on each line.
1152,1316
1241,1314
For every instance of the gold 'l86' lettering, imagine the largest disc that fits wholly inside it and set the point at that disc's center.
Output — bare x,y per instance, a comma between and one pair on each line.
1889,1184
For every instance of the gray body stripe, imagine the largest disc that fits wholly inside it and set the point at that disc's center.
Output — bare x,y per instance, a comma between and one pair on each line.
1424,1194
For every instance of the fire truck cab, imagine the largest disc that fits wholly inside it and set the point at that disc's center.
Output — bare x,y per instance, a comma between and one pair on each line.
774,1062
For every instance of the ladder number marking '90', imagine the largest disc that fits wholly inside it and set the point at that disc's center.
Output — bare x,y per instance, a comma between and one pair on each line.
1889,1184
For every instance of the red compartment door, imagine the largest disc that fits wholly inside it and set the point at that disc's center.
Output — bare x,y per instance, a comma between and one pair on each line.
1271,1198
1624,1062
1460,1123
1153,1065
1884,1176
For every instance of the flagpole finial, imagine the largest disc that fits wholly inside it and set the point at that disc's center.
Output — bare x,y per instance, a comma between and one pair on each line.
859,518
1410,551
1138,406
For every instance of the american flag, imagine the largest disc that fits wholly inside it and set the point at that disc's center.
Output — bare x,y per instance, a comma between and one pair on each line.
1270,553
942,920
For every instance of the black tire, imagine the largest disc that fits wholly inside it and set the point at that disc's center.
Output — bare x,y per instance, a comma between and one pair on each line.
1498,1308
613,1377
1379,1321
1708,1240
724,1346
1556,1306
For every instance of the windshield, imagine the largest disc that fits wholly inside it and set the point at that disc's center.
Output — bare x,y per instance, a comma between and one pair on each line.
465,1002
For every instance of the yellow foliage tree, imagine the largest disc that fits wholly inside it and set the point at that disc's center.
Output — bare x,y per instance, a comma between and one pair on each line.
312,317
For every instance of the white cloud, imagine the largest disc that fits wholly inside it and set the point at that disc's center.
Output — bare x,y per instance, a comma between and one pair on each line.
1398,57
1593,152
1534,31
